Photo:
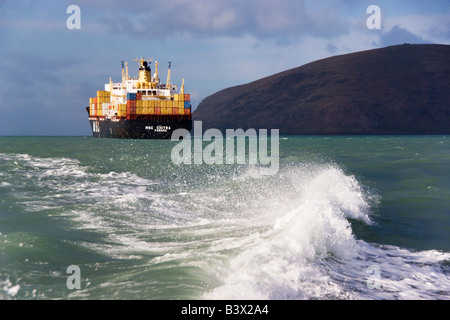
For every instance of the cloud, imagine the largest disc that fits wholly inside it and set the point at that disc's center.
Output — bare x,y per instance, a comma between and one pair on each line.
433,28
262,19
398,35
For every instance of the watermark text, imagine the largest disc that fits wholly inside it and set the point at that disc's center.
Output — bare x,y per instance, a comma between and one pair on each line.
74,20
374,21
74,280
235,147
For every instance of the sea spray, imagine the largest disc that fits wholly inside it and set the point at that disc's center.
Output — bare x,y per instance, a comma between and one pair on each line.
286,261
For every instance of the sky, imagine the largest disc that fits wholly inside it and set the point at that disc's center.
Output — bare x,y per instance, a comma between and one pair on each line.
49,70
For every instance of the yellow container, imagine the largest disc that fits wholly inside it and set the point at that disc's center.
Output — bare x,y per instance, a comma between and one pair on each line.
103,94
121,113
151,110
181,111
139,104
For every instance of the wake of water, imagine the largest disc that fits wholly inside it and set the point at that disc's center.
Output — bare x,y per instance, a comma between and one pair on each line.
257,237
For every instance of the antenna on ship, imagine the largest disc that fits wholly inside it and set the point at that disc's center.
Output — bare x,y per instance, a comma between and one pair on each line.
123,71
168,77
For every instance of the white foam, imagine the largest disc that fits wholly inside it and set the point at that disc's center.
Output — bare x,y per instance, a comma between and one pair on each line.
8,288
310,252
285,262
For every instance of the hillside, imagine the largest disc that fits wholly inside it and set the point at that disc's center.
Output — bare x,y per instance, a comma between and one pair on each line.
402,89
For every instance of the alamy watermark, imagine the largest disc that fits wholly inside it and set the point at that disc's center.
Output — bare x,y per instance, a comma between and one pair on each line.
74,20
374,281
74,280
374,21
235,147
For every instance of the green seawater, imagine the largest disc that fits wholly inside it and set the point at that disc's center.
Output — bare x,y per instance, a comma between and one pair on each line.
139,226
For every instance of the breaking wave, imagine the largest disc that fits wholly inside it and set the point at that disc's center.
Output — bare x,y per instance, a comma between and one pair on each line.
310,252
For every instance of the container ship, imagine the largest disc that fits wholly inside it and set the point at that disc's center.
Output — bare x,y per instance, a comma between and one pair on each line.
142,108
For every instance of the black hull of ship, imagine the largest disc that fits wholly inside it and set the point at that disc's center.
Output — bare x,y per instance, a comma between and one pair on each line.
158,127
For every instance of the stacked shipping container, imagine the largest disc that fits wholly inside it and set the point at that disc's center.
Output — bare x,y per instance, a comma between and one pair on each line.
100,104
137,104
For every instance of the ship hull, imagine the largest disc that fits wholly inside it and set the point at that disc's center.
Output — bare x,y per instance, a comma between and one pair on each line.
158,127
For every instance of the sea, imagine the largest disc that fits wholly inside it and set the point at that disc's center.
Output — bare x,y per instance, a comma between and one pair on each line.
342,218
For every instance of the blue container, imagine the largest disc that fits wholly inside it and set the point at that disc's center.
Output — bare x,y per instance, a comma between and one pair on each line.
187,104
131,96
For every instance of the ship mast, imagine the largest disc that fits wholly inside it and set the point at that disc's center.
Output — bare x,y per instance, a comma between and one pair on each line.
168,77
156,78
123,72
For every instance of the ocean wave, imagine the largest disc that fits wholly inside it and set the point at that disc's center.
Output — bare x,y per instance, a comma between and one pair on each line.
310,251
285,261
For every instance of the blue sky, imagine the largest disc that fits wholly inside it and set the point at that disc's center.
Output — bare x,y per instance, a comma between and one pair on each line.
48,72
